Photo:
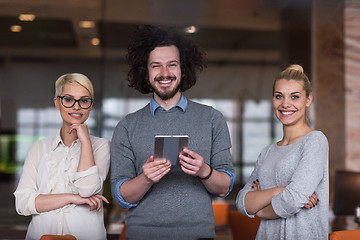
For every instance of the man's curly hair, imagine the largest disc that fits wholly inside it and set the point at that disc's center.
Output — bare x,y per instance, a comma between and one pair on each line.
147,38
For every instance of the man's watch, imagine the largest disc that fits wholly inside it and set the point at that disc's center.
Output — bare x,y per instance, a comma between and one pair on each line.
208,176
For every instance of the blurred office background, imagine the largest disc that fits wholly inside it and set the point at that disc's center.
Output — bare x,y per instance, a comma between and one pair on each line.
247,43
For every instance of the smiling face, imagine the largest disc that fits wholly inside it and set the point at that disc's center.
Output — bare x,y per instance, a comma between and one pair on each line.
290,102
164,72
74,114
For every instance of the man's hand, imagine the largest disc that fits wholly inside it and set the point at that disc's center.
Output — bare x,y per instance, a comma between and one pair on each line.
193,164
154,170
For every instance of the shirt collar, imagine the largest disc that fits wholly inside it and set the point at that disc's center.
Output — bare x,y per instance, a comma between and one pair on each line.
57,140
182,104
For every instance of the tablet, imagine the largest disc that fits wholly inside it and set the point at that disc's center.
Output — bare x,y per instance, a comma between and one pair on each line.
170,146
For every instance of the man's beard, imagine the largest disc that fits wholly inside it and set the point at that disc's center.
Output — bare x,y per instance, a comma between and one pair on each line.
167,95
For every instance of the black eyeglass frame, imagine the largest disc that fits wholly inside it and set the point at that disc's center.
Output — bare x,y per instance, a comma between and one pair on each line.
76,100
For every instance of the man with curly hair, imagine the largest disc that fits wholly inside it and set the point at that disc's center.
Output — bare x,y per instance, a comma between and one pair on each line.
165,201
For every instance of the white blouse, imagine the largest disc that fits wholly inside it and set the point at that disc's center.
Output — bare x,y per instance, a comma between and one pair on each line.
51,167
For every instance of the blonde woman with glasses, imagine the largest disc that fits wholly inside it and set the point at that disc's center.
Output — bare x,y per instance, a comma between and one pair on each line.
62,179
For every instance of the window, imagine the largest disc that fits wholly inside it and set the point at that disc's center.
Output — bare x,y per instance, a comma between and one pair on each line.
259,129
250,131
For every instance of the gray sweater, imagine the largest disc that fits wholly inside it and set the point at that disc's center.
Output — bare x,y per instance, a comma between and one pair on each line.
178,206
302,167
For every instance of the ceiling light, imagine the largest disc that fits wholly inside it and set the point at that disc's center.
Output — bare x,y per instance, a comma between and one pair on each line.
27,17
191,29
16,28
87,24
95,41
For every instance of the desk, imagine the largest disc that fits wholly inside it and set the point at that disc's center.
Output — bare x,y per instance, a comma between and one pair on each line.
342,222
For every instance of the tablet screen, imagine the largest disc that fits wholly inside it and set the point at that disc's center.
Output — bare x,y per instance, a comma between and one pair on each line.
169,147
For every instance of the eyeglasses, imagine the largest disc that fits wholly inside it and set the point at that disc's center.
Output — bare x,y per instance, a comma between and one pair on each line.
68,102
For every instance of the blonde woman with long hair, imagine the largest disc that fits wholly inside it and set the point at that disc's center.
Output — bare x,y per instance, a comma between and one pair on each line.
289,186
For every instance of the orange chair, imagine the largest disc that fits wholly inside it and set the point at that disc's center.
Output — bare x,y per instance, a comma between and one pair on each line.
242,227
345,235
221,210
58,237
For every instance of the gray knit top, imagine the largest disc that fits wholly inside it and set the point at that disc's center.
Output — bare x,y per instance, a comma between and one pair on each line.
178,206
301,167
